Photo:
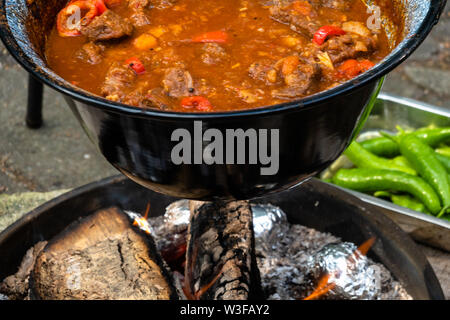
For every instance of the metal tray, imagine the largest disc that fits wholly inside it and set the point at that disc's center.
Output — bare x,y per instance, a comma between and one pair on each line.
388,112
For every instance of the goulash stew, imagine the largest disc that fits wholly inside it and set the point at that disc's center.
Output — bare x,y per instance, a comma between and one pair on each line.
215,55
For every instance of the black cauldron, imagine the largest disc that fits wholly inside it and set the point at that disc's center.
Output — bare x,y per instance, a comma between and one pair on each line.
312,132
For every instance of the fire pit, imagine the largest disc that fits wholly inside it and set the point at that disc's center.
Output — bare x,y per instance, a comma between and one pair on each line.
319,212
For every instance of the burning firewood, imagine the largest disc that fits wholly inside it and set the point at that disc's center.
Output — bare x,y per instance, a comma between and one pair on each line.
221,261
101,257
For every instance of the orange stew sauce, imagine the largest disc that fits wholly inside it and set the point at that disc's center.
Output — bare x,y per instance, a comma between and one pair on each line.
216,55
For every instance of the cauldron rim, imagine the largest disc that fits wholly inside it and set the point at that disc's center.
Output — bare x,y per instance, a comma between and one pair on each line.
400,53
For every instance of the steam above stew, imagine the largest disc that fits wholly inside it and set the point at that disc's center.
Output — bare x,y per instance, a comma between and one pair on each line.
205,56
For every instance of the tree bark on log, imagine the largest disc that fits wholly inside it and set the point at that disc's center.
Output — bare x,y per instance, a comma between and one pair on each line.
101,257
16,286
220,254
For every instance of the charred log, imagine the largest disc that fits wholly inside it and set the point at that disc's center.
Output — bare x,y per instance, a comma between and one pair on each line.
101,257
16,286
221,261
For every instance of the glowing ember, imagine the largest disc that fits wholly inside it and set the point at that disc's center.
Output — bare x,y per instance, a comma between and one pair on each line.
329,280
141,221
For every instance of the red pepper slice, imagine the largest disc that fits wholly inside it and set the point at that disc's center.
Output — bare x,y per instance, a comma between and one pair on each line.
351,68
325,32
135,64
101,7
66,20
213,36
198,102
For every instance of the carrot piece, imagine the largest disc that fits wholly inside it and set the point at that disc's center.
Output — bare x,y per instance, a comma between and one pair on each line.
289,65
213,36
145,42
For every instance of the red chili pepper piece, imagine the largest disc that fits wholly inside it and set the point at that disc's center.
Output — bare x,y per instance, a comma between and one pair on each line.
66,21
198,102
135,64
213,36
101,7
325,32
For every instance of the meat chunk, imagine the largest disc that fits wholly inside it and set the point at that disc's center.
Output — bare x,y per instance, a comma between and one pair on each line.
262,70
154,98
139,17
299,77
163,4
283,12
336,4
107,26
118,78
178,83
296,75
91,53
348,46
213,53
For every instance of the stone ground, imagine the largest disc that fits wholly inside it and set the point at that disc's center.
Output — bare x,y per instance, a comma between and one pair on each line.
59,156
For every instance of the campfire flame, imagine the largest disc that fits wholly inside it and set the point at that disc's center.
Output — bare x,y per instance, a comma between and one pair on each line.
142,222
324,285
187,286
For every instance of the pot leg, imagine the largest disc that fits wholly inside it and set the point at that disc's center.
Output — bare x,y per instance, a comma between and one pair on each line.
34,104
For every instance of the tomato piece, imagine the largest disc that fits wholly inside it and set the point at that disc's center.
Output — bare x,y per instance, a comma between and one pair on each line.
197,102
213,36
351,68
366,65
326,31
101,7
135,64
69,19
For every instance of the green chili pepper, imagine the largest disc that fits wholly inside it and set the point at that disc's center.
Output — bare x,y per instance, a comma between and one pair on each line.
385,147
382,194
403,200
402,161
422,158
381,146
445,161
445,151
371,180
433,136
365,159
408,202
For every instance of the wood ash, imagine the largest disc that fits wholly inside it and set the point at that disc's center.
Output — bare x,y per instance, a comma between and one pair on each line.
291,257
